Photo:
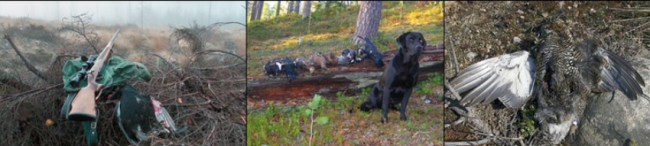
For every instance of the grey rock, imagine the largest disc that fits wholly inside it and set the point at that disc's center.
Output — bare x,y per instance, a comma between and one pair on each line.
612,121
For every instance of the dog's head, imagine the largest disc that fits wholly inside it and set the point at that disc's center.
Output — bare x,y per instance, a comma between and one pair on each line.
411,44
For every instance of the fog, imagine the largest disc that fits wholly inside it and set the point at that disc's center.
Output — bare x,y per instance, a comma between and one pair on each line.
140,13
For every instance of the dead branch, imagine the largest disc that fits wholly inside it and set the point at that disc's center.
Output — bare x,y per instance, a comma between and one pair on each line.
631,9
5,79
178,71
218,24
451,45
477,142
79,25
38,91
30,67
197,54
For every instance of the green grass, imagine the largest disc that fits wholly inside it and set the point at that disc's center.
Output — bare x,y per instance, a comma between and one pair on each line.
330,30
290,125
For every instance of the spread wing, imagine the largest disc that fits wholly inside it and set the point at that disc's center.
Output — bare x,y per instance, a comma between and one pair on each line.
508,77
617,74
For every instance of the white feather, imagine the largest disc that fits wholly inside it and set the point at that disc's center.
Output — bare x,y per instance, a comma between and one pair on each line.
509,77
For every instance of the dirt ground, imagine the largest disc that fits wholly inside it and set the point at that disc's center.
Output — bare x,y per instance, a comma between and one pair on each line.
479,30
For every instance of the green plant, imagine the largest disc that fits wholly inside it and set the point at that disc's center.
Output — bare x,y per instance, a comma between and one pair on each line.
526,121
320,120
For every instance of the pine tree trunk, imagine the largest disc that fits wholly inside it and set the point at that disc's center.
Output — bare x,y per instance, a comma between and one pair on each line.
368,20
277,9
260,7
306,10
254,11
290,7
297,7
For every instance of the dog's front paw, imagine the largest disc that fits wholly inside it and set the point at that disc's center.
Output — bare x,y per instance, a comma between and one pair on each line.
403,118
384,120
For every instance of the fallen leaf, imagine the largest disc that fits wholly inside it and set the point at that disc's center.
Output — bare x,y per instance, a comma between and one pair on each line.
49,122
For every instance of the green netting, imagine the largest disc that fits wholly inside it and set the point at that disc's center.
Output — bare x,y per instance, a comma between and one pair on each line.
116,70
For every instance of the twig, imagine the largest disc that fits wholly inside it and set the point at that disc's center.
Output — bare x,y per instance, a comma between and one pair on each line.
638,27
219,24
631,9
451,45
453,92
631,19
174,68
210,136
477,142
458,121
221,51
35,90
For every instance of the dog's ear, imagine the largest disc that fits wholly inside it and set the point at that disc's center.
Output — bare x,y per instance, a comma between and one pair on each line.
423,42
401,40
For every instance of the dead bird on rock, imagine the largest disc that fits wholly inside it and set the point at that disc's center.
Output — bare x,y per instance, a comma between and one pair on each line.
560,75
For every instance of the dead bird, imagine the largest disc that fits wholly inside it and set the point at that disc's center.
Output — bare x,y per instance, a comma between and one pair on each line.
560,75
348,56
288,67
361,54
272,68
371,50
320,60
304,63
331,58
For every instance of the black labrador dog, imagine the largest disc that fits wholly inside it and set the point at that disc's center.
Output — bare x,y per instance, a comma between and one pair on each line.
399,78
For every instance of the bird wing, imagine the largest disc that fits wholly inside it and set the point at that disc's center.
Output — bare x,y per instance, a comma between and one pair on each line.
617,74
508,77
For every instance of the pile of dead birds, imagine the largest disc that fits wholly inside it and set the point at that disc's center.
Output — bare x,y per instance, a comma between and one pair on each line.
288,66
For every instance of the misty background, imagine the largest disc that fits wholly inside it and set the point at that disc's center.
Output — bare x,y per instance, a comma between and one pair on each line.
140,13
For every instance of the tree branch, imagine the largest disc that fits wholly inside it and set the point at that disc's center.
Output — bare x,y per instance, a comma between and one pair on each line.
30,67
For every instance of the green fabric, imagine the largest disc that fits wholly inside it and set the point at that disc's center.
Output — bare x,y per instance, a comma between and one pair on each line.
116,70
